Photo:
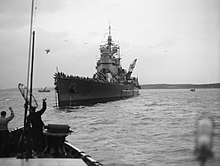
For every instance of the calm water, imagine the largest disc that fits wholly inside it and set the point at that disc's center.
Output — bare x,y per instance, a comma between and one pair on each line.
156,128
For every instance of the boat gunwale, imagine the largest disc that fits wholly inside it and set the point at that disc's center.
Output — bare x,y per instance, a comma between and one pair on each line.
68,146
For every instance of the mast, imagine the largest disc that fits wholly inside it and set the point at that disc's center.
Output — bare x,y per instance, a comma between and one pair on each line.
30,42
25,137
109,29
29,60
29,146
109,37
32,68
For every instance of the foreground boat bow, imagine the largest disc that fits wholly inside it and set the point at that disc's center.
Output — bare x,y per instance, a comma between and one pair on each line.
61,153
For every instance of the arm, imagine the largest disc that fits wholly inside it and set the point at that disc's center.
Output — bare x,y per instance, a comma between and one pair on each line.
12,114
44,107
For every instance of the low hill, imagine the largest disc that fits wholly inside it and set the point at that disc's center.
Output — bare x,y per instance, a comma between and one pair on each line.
179,86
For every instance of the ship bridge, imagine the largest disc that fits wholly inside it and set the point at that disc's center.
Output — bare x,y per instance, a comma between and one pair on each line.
109,60
110,57
108,66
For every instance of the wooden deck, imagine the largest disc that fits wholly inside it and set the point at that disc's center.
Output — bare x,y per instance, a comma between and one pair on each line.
41,162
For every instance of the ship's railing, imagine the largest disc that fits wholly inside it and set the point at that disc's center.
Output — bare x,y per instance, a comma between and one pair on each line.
94,79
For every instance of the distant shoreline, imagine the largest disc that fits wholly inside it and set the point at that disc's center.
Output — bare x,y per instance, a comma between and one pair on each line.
180,86
160,86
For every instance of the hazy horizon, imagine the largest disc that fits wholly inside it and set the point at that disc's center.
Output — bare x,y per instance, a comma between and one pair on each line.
49,87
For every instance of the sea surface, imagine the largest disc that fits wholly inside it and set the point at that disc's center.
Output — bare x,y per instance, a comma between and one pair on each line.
156,128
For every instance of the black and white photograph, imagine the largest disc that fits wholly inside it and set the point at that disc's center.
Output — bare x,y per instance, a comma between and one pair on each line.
109,82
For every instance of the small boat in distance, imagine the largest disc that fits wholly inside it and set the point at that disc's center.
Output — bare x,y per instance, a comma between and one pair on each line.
43,90
193,89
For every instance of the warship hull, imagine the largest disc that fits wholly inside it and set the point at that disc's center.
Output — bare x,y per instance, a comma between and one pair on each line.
76,91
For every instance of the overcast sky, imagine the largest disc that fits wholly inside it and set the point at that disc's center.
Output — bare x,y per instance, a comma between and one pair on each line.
175,41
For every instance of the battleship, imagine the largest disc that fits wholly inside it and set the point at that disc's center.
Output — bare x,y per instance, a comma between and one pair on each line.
110,82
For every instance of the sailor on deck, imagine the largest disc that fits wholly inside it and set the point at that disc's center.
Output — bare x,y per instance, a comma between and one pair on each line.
4,133
37,125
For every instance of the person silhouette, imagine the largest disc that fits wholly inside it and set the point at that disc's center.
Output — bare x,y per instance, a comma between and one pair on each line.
4,133
37,125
